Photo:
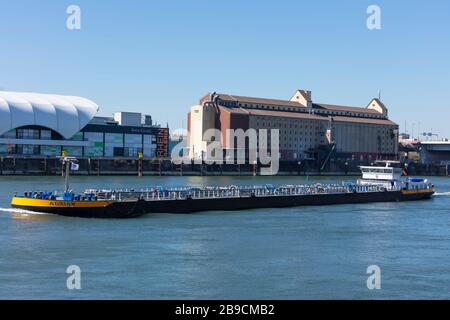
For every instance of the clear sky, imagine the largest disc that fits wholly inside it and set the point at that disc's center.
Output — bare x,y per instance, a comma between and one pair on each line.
160,57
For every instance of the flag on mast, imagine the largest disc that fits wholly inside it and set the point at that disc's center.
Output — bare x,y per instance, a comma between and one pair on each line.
74,166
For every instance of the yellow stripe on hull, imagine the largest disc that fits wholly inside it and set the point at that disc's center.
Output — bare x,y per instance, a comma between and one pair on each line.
39,203
430,191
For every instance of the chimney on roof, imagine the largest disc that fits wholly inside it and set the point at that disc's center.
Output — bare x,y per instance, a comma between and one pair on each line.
303,97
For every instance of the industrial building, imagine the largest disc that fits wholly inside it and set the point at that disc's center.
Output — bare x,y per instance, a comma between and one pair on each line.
435,152
307,129
45,125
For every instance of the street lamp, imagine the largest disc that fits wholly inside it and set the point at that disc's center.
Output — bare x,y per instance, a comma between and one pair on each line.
298,167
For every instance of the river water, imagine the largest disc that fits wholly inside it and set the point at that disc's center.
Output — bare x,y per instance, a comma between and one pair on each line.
293,253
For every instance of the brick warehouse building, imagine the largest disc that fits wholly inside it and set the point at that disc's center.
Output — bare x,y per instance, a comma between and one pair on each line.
308,130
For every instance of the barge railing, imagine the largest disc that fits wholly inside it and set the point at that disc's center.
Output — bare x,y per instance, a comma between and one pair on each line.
157,194
230,192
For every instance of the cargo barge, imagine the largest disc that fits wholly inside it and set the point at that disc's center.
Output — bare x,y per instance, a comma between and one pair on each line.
378,184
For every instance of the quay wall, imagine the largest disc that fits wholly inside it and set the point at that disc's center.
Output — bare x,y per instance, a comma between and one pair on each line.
164,167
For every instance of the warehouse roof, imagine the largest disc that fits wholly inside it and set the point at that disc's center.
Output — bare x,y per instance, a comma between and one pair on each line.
334,107
307,116
277,102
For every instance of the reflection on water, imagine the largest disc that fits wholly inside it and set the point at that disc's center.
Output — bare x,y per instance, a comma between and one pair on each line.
27,215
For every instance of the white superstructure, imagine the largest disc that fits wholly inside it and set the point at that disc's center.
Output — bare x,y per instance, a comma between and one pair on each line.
387,173
390,178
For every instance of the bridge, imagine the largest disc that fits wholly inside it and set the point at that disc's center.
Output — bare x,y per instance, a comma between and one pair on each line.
435,152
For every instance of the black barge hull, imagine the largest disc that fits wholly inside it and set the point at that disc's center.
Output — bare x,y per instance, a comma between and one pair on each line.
130,209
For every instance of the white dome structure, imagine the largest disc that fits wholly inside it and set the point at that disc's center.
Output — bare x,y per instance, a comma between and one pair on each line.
65,115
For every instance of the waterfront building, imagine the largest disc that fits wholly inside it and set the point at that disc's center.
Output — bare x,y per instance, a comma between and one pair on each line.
435,152
307,130
44,125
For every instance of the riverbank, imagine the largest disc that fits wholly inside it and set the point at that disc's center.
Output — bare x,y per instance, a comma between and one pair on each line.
186,173
42,166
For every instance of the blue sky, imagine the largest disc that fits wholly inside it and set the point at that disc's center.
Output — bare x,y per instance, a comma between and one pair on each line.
159,57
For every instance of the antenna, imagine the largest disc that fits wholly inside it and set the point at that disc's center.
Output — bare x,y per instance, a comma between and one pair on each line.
379,94
418,135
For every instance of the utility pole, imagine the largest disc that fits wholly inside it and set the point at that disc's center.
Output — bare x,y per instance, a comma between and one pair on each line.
418,136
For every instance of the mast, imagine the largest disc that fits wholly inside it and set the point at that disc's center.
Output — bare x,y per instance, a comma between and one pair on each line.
66,175
66,164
